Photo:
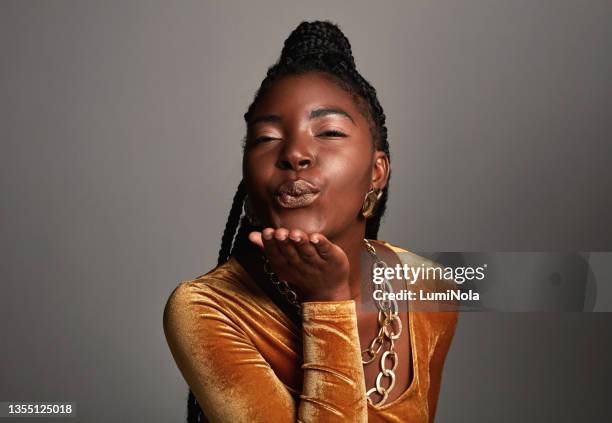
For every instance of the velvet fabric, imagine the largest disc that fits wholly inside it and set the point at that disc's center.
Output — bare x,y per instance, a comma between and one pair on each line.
247,361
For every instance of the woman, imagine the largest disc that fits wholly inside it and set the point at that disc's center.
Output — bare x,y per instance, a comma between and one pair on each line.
282,330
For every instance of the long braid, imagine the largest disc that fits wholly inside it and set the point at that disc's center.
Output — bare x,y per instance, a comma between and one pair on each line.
312,46
194,412
232,223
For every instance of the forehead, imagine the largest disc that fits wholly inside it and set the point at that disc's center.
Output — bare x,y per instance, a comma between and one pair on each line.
301,93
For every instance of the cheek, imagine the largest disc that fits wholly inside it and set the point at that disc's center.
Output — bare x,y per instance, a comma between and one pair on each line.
256,176
348,179
256,171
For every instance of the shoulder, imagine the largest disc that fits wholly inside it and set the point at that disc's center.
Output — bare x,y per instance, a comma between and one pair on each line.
203,287
224,283
219,292
189,300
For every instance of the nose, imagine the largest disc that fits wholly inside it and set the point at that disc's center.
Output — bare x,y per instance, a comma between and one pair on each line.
297,153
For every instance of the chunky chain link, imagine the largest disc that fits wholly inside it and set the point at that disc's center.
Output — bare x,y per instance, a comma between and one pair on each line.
389,322
390,328
280,284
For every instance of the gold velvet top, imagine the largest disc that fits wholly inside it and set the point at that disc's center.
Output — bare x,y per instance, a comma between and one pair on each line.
246,361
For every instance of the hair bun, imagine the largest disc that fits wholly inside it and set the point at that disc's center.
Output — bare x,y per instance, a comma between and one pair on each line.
317,38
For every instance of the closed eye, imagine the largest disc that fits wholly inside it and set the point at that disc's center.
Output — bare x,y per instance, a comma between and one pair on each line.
333,133
263,138
330,133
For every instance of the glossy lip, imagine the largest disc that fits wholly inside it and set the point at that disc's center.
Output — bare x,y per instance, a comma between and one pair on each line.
294,201
296,193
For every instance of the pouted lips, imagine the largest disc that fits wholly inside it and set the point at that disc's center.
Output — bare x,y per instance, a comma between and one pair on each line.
297,193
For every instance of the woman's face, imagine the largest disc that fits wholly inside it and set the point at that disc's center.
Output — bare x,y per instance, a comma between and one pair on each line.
307,128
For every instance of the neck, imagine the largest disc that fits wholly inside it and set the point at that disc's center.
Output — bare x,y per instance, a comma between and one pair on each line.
351,242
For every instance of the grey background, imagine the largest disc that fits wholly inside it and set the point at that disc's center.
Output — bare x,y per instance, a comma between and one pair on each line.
121,124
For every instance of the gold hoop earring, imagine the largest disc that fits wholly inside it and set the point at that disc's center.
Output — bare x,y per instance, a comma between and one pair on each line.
250,213
370,201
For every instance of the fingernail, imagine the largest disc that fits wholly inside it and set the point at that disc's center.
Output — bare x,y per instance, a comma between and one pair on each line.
297,238
315,240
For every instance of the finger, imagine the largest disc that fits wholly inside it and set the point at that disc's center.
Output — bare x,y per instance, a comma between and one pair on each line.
322,245
271,248
304,247
286,247
256,238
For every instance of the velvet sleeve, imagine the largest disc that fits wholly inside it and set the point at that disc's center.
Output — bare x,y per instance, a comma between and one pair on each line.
334,382
234,383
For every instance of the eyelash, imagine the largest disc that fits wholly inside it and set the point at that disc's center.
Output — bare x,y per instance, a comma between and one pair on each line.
331,132
335,133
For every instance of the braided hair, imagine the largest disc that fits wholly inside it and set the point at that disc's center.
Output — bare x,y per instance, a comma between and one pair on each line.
318,46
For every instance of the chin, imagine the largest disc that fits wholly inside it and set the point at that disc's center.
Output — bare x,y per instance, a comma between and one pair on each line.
298,219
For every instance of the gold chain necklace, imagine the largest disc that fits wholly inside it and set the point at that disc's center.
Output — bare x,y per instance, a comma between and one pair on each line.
388,320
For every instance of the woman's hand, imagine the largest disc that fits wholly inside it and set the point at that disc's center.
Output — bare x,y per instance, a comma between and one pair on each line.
318,268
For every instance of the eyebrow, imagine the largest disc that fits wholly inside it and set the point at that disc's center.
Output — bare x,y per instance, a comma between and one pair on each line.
314,114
